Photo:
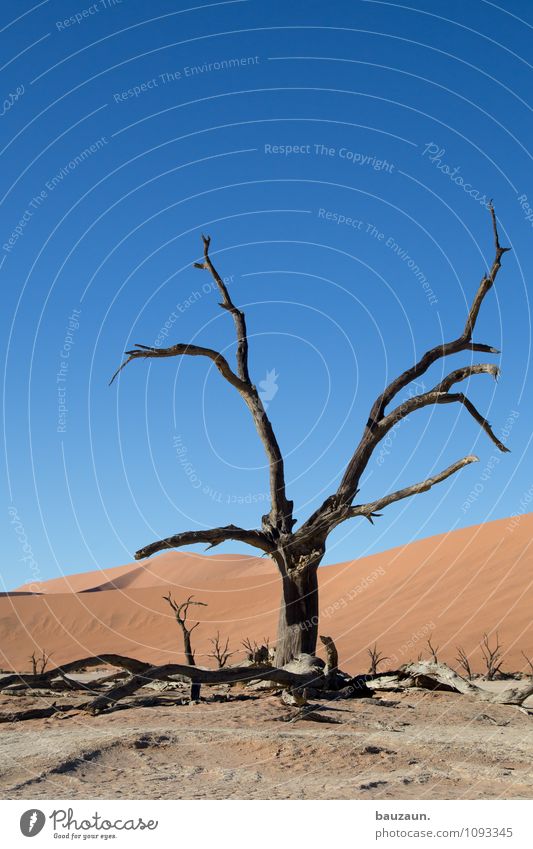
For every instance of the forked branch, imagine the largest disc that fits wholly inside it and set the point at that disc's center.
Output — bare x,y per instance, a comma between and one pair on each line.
440,395
348,486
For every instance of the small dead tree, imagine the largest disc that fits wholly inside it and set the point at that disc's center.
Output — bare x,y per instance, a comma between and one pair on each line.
464,662
256,653
433,651
220,653
528,661
298,554
492,656
181,611
376,657
39,663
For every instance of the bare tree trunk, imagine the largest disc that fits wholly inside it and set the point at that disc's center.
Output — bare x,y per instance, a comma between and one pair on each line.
298,617
189,657
189,654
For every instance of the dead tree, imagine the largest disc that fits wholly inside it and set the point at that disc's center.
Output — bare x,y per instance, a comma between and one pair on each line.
528,661
376,657
256,653
39,664
221,652
433,651
492,656
298,553
181,611
463,661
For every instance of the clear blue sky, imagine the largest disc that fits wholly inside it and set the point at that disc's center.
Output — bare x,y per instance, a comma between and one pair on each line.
321,146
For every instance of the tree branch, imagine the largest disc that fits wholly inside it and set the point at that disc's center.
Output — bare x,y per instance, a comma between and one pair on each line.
481,420
337,506
281,513
145,352
334,510
462,343
440,395
464,373
348,486
227,304
280,517
214,537
370,510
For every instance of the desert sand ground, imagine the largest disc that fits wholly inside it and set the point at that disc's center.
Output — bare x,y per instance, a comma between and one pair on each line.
413,745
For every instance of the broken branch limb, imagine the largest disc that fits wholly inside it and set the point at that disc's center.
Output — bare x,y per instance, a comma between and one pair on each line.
476,415
213,537
146,352
465,372
144,673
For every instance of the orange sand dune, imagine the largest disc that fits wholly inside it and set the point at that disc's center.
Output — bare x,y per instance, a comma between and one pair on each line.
452,587
171,568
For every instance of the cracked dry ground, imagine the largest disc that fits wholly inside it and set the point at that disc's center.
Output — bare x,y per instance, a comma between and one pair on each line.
418,745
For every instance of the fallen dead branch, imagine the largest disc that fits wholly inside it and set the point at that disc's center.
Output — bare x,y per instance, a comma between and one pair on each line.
197,675
57,681
143,673
376,657
492,656
36,713
130,664
304,676
464,662
414,674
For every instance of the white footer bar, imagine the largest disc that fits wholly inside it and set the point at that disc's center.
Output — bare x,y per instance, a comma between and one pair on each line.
257,824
